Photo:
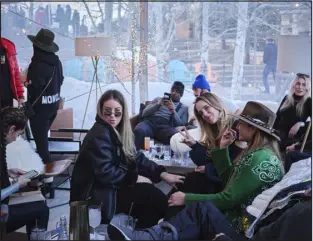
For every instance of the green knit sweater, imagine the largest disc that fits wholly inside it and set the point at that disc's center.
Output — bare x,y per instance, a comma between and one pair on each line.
255,172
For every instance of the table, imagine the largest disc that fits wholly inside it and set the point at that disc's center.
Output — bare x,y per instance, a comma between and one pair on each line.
174,167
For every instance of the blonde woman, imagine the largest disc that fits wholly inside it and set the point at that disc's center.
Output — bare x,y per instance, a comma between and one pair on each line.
213,120
208,215
107,168
293,113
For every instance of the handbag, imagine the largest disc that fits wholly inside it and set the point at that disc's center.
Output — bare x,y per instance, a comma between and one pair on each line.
28,107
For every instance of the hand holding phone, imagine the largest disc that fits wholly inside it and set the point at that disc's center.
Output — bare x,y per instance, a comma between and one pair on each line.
30,175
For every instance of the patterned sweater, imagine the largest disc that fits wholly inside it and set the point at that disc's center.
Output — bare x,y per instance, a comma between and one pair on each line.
255,172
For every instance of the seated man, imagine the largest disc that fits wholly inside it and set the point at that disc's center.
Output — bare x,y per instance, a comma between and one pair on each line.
30,214
161,117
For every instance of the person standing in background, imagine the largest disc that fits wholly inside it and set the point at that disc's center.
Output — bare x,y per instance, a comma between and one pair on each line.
10,74
270,61
43,82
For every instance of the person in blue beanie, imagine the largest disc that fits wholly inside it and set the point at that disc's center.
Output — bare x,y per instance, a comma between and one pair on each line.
200,85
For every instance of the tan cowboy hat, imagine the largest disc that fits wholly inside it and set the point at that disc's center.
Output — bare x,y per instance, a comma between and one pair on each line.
44,40
259,116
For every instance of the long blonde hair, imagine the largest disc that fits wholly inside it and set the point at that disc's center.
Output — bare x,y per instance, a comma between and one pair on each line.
212,133
262,139
123,129
290,101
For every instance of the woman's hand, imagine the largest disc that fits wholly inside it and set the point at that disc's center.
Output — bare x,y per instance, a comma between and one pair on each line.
172,179
294,130
15,172
177,199
228,137
23,181
292,147
200,169
187,138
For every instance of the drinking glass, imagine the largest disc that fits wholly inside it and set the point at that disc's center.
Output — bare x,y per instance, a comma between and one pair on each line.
128,222
94,217
147,144
102,232
178,158
159,150
167,153
40,234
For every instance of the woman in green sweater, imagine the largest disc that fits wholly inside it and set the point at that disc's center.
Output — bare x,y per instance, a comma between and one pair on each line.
256,169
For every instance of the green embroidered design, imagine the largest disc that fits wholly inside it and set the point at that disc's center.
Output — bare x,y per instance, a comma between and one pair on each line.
268,170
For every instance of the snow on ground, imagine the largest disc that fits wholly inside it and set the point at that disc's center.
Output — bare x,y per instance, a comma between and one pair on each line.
74,88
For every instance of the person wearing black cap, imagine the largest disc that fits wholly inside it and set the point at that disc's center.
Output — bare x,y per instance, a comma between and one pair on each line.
161,117
44,81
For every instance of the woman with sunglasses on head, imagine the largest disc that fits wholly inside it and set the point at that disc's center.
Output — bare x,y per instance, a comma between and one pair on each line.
31,214
293,113
256,169
106,170
213,120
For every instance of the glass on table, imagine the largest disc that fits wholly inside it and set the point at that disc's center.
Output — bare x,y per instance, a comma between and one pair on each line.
167,153
128,222
94,212
40,234
102,232
159,150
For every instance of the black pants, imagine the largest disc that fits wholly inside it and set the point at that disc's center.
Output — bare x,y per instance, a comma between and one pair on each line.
40,125
201,220
195,182
157,127
150,203
30,214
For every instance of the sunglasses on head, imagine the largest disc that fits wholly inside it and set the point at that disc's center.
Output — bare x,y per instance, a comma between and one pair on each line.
109,113
300,75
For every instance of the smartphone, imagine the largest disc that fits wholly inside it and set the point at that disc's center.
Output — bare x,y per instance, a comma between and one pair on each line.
167,96
31,174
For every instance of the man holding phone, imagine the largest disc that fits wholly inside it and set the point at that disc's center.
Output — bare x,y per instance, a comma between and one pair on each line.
162,116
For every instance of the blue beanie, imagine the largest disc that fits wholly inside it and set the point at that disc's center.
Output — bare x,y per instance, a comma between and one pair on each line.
201,82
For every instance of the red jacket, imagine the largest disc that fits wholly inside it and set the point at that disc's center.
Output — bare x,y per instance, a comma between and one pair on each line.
15,76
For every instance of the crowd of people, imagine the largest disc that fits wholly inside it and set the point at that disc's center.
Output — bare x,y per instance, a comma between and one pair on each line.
240,154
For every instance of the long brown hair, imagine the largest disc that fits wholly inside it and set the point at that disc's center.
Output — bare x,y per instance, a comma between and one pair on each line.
123,129
290,101
211,134
262,139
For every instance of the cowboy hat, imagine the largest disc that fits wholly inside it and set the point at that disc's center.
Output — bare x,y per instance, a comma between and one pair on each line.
44,40
259,116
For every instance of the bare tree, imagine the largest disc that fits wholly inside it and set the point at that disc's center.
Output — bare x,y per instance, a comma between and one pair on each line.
242,26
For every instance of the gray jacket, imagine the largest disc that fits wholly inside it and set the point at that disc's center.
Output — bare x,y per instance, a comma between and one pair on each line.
180,117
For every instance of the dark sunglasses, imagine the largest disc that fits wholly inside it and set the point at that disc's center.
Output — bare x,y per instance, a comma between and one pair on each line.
302,76
109,113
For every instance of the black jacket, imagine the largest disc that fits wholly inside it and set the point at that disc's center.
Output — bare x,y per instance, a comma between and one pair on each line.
199,155
42,68
102,168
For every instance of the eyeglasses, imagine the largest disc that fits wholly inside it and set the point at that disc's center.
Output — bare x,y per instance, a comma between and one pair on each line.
110,113
302,76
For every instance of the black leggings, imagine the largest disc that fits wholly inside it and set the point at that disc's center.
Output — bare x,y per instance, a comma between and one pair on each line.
150,203
30,214
40,125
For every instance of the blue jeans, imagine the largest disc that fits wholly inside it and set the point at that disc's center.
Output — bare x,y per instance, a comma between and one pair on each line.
157,127
267,70
201,221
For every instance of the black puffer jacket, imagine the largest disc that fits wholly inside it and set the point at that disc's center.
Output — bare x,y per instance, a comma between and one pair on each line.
102,168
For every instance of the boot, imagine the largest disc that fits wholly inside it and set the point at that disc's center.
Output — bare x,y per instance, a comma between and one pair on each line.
162,231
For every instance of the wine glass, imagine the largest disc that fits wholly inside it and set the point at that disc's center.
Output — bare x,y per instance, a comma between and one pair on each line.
94,217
